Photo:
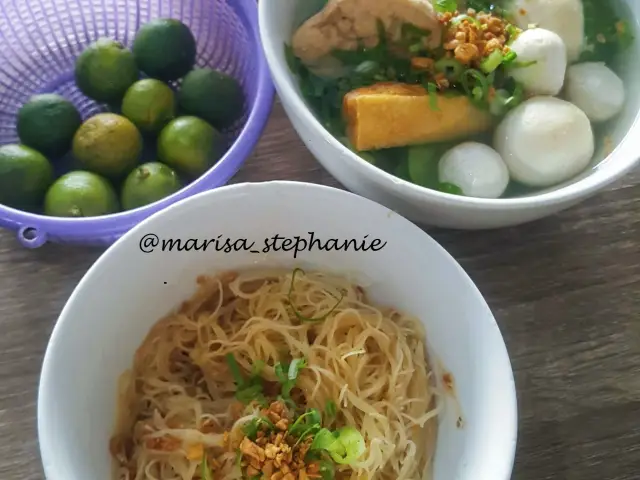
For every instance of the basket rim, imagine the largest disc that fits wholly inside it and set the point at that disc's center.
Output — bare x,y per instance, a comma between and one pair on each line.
34,230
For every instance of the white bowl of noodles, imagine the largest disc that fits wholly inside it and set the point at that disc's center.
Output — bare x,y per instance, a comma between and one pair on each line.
471,140
376,358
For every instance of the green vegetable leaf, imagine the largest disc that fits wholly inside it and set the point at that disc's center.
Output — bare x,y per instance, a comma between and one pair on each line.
247,390
344,446
330,409
205,472
280,370
301,317
323,440
250,429
236,373
327,470
444,6
352,443
295,367
300,424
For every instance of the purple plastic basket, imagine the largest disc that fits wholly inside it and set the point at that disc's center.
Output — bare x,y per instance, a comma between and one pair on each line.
42,38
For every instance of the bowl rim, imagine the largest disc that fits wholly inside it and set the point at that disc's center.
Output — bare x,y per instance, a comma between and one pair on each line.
623,158
34,229
499,357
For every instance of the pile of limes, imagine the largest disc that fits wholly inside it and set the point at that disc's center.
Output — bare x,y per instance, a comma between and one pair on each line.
182,124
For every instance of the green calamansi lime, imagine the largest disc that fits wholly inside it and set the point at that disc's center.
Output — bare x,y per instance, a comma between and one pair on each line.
47,123
150,104
212,95
25,175
80,194
165,49
149,183
105,70
108,144
190,145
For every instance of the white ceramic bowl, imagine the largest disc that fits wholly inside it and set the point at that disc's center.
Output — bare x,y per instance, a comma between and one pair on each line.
277,19
127,290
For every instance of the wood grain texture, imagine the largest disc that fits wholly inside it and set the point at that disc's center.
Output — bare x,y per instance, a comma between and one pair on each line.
565,291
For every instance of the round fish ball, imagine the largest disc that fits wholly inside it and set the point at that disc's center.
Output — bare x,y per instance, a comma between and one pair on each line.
542,61
477,169
545,141
564,17
596,90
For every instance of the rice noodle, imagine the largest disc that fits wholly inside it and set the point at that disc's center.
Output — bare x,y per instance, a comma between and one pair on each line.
178,401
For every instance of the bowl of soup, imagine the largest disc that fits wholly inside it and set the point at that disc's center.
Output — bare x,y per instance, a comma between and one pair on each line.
463,114
290,345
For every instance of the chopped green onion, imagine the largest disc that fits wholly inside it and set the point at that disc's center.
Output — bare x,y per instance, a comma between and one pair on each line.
523,64
498,104
450,67
301,317
415,48
493,61
205,472
450,188
513,32
367,67
509,57
517,97
433,96
446,6
479,89
462,18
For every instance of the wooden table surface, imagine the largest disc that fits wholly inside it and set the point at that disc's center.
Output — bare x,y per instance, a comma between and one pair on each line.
565,291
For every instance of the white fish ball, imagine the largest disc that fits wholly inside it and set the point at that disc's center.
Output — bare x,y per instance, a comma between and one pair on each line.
596,90
476,168
545,141
542,61
564,17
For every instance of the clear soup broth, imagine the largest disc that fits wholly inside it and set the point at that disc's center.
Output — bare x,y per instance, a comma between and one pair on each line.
479,98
